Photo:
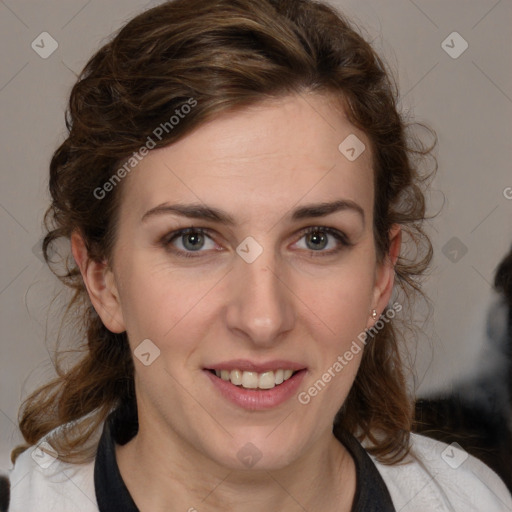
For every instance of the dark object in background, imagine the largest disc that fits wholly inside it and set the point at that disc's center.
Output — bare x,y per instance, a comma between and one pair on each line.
5,489
487,438
478,414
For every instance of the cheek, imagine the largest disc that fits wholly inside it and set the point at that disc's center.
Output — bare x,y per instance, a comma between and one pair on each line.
174,309
343,307
342,300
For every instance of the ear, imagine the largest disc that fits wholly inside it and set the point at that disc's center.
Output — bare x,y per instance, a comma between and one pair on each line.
100,284
385,273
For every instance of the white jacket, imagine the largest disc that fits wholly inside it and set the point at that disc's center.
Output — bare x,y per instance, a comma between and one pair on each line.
434,477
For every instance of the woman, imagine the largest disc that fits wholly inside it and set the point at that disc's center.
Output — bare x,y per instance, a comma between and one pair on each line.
235,187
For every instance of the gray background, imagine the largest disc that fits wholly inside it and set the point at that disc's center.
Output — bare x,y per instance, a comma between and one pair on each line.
467,100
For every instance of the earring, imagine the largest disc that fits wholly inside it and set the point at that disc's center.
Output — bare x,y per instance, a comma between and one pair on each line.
374,314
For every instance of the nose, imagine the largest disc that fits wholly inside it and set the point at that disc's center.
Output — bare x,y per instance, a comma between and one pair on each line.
260,307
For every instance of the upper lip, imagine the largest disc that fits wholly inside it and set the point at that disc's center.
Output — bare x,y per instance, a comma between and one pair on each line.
250,366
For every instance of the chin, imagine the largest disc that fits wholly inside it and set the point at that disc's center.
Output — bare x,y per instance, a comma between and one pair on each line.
257,452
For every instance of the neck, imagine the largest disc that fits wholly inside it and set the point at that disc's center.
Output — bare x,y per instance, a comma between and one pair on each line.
161,471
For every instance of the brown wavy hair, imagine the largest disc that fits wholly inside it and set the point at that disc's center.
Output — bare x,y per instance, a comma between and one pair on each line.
225,55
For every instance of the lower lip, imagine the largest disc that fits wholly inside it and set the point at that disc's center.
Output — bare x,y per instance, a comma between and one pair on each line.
257,399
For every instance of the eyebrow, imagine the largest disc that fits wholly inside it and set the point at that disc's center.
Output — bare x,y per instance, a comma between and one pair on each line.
199,211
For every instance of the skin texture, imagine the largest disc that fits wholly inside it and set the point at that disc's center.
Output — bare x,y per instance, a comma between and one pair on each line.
292,303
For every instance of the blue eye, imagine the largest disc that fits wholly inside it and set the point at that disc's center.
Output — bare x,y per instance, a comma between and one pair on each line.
317,240
191,240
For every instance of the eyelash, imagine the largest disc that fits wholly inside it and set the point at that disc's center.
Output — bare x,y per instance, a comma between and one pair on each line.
344,242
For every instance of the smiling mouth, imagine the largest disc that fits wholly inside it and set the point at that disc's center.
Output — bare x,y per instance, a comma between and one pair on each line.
254,380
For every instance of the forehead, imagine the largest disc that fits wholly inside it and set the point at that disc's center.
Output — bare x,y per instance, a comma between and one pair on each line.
267,157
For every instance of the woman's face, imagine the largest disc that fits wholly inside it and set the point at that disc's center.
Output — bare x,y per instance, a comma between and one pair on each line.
276,279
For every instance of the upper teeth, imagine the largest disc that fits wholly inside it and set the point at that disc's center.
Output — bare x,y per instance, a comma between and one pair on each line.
253,380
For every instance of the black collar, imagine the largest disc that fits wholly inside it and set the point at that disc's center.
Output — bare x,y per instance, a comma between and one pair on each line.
112,495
